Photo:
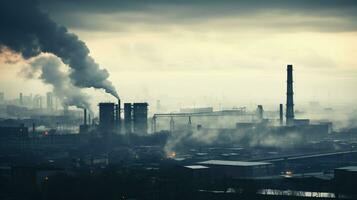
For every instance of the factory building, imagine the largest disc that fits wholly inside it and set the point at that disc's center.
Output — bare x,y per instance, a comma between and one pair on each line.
238,169
109,117
14,131
301,122
345,181
128,117
135,117
244,126
194,174
140,118
106,116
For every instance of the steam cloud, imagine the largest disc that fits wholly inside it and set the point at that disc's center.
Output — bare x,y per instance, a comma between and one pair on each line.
262,138
26,30
48,69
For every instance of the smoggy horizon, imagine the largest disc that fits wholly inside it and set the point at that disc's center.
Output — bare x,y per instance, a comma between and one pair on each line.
193,54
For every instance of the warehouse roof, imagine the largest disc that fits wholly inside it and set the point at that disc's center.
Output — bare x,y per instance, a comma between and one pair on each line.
349,168
233,163
196,167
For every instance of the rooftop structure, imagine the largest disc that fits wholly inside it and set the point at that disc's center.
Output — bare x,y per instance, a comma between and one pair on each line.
140,113
233,163
128,117
348,169
196,167
237,169
106,116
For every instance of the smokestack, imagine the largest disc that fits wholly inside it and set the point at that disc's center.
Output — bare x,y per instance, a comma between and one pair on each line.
281,114
89,119
117,115
128,117
21,99
85,117
260,112
289,97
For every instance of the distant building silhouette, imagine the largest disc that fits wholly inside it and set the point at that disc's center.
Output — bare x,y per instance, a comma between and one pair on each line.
106,116
128,118
49,104
21,100
140,117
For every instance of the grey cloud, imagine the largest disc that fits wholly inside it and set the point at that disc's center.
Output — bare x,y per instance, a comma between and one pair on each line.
239,5
112,15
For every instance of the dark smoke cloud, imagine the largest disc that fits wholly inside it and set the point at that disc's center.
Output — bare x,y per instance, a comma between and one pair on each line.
26,30
48,69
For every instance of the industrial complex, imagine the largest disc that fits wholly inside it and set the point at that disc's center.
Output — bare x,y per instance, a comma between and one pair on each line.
193,153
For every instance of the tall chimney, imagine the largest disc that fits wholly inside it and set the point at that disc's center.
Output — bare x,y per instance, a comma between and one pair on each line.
117,115
128,117
85,117
21,99
260,112
289,97
281,114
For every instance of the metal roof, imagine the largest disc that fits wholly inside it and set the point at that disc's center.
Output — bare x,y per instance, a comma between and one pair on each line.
196,167
233,163
349,168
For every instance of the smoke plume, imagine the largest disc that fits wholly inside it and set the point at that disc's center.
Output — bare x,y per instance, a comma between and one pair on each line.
48,69
208,137
26,30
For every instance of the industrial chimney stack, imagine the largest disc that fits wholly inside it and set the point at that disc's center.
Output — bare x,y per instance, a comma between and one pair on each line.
117,115
281,114
289,97
85,117
260,112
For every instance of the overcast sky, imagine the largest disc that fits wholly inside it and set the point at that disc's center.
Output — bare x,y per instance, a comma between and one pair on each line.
211,52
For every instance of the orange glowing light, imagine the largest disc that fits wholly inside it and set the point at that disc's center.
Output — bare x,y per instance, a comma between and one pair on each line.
171,154
288,173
